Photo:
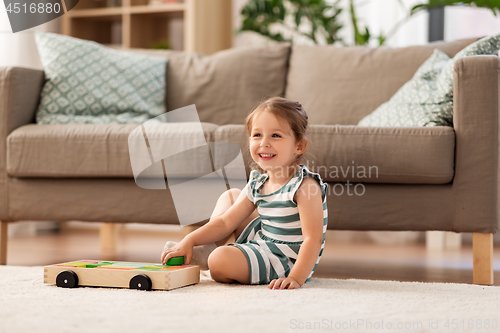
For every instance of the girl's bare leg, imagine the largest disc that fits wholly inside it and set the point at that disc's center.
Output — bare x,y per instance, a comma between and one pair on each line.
228,263
225,201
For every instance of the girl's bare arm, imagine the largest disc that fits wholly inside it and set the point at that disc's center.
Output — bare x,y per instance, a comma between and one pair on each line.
217,228
221,226
310,205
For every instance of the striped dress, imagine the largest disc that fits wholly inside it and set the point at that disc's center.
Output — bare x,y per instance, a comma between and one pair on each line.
271,241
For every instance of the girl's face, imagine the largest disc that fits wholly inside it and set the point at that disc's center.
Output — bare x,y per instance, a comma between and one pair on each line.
272,143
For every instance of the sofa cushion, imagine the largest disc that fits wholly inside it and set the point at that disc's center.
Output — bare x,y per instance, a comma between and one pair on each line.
84,150
407,155
89,83
225,86
228,85
341,85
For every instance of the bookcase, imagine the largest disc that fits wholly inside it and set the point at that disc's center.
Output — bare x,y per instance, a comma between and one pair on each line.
206,25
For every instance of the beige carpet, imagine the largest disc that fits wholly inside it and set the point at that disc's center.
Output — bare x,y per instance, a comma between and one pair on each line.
27,305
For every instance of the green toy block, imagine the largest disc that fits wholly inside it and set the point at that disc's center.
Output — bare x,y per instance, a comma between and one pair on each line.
175,261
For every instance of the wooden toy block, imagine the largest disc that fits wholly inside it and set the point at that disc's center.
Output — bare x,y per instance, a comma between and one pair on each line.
175,261
143,276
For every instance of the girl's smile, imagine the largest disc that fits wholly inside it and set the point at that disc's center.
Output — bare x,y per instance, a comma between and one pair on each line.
266,157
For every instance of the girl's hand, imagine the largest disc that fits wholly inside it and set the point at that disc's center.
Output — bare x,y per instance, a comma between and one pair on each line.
182,249
284,283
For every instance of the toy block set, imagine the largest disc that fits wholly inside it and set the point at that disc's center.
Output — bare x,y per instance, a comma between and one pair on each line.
142,276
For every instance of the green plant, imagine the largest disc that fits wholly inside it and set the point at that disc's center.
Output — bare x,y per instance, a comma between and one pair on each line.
314,19
321,19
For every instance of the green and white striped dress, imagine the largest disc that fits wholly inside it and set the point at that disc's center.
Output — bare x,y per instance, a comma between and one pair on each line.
271,242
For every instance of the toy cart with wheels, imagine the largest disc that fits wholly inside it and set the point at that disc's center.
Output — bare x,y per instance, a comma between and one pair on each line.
142,276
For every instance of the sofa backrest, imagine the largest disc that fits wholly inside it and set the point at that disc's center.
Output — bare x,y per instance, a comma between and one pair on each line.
228,85
341,85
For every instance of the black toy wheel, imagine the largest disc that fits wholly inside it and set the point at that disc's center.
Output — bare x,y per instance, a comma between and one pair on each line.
67,279
140,282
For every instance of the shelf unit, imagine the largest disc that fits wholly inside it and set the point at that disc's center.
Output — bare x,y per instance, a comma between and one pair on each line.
206,25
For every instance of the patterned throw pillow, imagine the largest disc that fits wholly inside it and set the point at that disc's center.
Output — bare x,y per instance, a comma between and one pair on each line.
427,99
411,104
86,82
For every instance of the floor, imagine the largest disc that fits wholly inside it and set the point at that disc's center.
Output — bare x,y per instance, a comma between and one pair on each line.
341,259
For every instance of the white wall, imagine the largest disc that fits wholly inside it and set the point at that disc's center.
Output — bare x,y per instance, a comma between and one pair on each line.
19,49
467,22
382,15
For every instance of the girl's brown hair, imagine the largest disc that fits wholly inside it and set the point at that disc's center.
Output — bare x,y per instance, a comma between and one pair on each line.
291,112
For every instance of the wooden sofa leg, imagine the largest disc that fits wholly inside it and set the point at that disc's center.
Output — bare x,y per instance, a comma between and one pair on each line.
3,242
109,236
482,253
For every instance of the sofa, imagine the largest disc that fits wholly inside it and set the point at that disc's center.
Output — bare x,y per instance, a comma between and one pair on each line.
381,178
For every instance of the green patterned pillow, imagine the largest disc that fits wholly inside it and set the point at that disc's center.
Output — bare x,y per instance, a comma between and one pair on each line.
86,82
427,99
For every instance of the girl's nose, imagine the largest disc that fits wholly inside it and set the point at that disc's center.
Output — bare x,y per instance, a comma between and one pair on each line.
264,143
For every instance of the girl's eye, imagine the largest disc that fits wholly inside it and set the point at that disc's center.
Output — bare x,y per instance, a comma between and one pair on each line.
256,135
276,136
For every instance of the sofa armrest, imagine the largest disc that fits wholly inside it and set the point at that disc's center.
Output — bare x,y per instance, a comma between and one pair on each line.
19,95
476,123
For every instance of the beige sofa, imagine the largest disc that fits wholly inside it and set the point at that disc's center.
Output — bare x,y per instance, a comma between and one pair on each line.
421,178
